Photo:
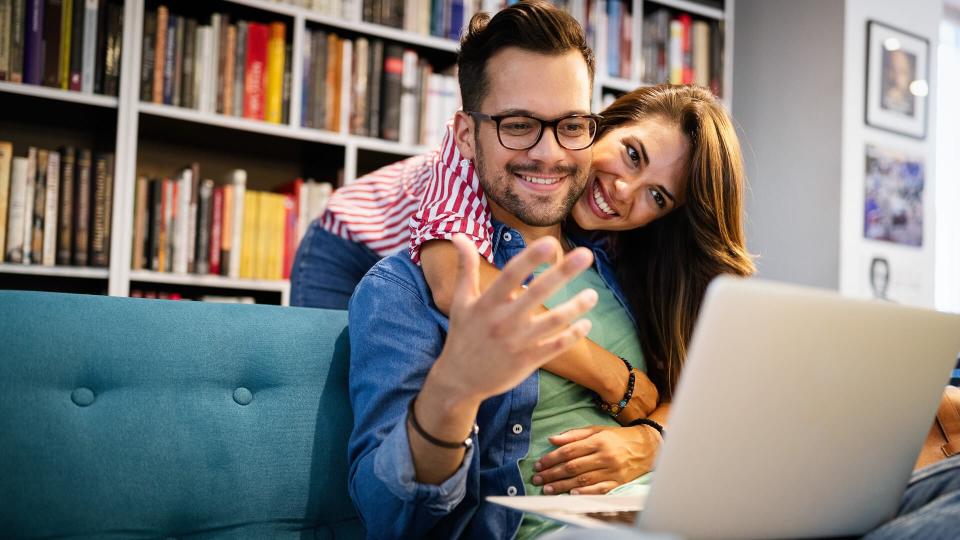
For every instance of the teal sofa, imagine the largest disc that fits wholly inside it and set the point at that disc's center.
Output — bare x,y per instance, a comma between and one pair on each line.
129,418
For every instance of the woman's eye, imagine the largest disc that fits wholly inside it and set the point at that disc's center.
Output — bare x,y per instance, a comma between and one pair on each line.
658,198
633,155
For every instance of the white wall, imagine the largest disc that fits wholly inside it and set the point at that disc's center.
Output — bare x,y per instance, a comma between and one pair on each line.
912,269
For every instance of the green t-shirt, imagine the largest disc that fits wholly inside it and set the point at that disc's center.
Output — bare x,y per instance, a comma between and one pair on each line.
563,405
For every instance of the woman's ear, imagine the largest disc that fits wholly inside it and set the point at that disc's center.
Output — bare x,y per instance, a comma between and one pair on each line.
463,134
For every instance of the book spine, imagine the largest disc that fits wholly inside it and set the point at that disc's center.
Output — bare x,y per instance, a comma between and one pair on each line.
332,83
33,43
373,94
226,229
99,241
192,216
160,53
140,223
148,56
39,207
65,217
6,24
88,72
392,88
237,217
81,226
181,227
212,64
276,56
686,34
75,79
156,225
229,66
409,112
287,90
201,76
98,68
255,71
290,239
18,19
239,64
51,42
30,193
216,222
6,158
249,243
66,23
613,37
319,73
18,186
676,52
189,64
221,27
204,214
111,68
169,59
177,94
51,206
361,61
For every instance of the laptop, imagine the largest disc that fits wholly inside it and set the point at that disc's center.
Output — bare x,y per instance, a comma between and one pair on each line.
799,414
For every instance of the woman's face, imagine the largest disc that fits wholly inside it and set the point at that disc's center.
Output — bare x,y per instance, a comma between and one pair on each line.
636,176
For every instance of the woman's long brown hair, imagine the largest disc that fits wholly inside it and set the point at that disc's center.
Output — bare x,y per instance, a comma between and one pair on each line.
665,267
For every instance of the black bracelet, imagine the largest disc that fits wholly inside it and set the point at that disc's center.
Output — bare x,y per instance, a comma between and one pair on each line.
433,440
648,422
614,409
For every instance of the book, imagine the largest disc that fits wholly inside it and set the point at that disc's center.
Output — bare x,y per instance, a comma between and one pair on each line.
675,61
334,73
75,77
101,40
66,37
614,14
68,160
91,20
6,158
52,19
290,238
287,87
701,54
219,25
181,220
204,215
238,182
153,245
255,71
409,99
6,23
276,56
160,52
318,73
102,203
216,225
30,193
140,217
17,36
114,43
358,112
51,207
39,207
686,25
227,227
169,60
192,216
187,86
33,43
375,73
148,56
17,210
81,223
239,65
249,242
177,93
229,63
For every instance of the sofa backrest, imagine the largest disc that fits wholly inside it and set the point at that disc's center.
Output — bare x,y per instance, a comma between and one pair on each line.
149,418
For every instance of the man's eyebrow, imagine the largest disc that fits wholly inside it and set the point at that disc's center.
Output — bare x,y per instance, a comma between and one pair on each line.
643,151
525,112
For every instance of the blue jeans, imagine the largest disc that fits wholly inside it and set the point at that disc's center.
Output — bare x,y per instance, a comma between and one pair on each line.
327,269
930,508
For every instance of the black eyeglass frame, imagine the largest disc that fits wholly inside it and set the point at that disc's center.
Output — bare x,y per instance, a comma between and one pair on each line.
497,118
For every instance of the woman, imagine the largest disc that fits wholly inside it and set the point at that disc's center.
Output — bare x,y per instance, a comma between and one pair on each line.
666,180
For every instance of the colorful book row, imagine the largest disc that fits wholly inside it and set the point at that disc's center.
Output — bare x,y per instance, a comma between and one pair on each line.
679,49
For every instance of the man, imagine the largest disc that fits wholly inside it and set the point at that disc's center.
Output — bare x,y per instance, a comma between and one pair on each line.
418,467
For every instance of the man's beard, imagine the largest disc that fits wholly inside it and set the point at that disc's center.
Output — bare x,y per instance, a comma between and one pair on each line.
541,211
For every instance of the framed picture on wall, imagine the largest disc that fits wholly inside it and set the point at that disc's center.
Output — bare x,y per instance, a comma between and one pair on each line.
897,80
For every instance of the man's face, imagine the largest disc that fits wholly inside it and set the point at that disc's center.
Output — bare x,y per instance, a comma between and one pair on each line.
540,185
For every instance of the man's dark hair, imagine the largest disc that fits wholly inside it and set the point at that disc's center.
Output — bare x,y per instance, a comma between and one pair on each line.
535,25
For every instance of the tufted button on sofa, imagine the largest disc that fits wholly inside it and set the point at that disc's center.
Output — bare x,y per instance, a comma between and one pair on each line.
129,418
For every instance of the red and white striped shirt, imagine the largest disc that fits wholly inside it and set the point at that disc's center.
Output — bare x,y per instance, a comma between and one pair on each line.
426,197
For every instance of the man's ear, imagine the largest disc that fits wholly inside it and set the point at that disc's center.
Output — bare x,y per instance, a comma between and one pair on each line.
463,134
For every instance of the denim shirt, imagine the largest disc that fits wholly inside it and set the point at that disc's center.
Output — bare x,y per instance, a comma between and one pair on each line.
396,334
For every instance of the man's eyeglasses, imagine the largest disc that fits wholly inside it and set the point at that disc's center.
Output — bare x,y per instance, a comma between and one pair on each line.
517,132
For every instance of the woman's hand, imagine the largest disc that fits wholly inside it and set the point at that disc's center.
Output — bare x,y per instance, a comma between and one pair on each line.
595,459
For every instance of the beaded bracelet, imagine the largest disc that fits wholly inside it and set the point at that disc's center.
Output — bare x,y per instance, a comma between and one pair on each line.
648,422
614,409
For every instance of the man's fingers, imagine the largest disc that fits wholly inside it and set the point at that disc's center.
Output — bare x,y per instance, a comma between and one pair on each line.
548,348
546,324
468,273
547,283
521,266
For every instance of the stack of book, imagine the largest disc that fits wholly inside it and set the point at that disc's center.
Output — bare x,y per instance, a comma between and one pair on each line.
66,44
441,18
55,206
390,92
239,68
619,35
183,224
176,295
682,50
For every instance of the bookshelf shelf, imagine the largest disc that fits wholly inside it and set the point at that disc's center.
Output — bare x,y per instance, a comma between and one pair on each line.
195,280
692,7
59,95
55,271
370,29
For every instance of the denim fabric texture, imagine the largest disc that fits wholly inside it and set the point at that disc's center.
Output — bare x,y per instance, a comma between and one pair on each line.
327,269
396,333
930,509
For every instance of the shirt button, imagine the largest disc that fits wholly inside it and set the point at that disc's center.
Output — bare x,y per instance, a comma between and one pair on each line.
512,491
507,237
517,429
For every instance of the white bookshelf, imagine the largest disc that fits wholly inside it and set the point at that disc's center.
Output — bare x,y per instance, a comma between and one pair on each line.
131,113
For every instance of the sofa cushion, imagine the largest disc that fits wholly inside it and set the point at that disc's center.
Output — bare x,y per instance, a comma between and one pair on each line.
139,418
